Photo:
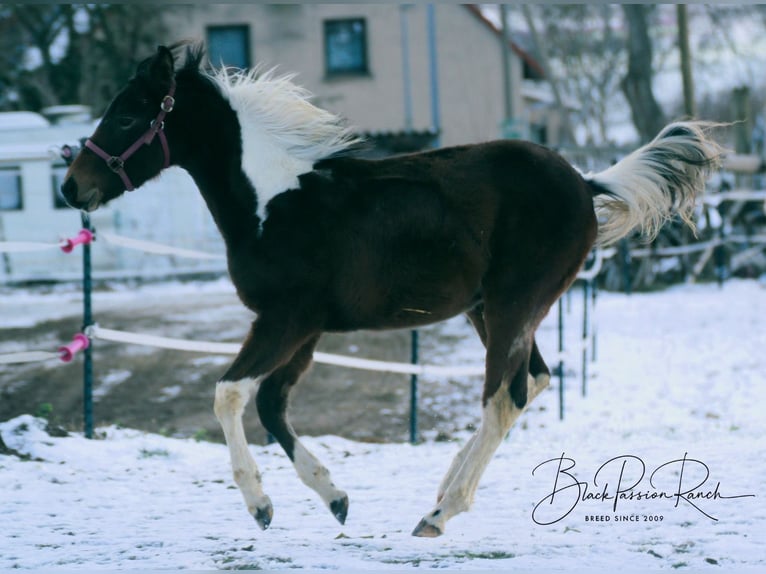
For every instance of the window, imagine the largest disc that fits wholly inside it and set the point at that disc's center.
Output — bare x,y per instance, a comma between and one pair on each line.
345,44
229,46
57,177
10,189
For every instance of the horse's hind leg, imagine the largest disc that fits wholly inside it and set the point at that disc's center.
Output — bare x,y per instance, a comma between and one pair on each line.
271,402
537,366
509,347
499,415
539,375
537,369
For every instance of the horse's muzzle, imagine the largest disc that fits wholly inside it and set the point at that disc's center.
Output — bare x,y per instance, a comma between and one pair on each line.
86,201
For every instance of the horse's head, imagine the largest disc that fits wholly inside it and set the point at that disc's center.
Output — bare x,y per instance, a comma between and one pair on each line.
129,146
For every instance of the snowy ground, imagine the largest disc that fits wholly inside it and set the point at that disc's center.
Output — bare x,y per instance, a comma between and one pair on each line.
679,372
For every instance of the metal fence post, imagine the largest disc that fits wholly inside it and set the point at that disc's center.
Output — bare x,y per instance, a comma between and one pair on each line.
585,298
594,324
625,261
414,388
87,321
561,358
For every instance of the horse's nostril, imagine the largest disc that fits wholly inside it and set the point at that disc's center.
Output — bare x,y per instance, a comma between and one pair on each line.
69,190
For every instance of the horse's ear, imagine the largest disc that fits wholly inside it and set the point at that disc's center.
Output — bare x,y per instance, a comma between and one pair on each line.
158,70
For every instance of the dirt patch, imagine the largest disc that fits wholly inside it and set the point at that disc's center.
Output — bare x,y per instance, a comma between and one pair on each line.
171,392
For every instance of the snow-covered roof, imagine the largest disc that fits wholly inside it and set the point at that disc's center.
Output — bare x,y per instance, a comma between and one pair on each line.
22,120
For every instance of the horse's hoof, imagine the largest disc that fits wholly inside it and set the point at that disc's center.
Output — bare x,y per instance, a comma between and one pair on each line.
425,529
339,509
263,516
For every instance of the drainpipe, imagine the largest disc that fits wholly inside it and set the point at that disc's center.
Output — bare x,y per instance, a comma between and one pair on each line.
403,9
434,73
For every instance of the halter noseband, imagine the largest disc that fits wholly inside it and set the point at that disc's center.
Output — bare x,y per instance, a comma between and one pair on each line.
156,128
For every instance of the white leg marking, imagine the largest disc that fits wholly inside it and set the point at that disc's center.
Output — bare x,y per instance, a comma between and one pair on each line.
466,471
457,462
317,477
231,398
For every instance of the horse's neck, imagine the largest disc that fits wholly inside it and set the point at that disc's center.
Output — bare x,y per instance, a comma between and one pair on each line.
230,200
209,148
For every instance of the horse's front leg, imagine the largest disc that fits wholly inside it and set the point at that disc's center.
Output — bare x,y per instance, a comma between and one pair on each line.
231,397
269,346
272,408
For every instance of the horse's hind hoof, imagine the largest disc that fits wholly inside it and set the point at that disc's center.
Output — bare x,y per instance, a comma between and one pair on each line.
264,515
339,509
426,530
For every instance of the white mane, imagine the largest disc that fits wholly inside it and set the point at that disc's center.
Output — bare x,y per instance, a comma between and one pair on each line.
283,133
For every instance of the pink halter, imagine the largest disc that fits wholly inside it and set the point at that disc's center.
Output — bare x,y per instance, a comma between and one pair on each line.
156,128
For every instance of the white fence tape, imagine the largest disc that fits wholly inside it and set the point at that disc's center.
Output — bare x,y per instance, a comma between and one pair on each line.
27,246
593,270
113,335
716,199
28,357
157,248
98,332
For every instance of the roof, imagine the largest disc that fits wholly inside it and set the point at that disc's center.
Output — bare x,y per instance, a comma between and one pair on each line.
525,56
22,120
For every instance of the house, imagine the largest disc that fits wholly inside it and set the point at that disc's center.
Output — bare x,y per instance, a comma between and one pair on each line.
371,64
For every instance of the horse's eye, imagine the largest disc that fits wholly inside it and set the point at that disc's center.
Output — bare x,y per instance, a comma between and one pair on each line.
126,122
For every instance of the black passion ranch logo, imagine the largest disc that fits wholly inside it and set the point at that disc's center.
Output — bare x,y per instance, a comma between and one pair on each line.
623,490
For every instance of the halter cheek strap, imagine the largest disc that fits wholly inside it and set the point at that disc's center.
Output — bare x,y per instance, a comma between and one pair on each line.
156,128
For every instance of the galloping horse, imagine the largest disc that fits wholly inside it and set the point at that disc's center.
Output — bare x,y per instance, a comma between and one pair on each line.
318,240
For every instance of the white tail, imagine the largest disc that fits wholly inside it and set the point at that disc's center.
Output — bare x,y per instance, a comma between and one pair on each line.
655,182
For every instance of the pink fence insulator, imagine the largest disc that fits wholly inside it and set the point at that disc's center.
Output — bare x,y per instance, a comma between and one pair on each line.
83,238
79,343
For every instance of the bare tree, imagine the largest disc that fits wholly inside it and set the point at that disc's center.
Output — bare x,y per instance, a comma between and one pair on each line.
647,114
68,53
587,50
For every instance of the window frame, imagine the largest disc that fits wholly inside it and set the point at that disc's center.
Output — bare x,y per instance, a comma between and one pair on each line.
245,29
364,68
19,186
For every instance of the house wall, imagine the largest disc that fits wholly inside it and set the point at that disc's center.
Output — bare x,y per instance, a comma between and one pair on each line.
469,62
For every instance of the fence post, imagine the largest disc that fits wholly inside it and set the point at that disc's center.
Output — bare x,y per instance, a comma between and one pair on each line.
414,388
719,259
627,280
87,321
561,358
585,297
593,325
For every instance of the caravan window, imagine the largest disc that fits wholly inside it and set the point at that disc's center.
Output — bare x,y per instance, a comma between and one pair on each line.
10,189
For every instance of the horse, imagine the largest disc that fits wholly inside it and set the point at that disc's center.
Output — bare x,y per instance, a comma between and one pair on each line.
320,240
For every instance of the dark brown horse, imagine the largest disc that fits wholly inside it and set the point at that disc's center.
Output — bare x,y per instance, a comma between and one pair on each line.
319,241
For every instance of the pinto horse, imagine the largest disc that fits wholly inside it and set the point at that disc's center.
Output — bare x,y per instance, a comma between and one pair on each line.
318,240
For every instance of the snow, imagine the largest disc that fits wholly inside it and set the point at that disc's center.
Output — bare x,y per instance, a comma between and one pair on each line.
680,371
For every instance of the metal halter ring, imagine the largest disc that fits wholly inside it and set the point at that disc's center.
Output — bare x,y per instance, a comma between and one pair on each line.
167,104
115,164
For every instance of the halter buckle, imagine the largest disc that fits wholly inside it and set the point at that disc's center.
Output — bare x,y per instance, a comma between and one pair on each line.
168,102
116,164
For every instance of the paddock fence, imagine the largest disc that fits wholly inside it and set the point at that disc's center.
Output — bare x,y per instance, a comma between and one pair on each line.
83,341
584,351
